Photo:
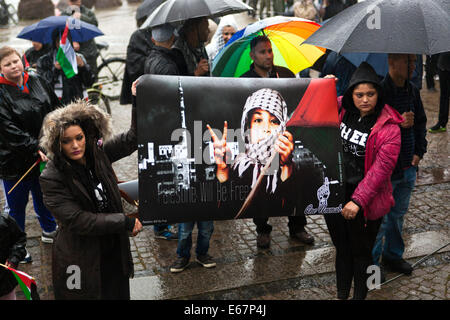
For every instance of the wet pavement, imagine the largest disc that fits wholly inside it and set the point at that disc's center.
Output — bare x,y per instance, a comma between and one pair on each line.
288,270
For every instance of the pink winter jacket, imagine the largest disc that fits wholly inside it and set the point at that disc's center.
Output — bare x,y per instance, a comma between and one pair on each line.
374,192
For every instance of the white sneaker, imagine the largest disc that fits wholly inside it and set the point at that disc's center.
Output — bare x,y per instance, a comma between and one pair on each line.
27,258
47,237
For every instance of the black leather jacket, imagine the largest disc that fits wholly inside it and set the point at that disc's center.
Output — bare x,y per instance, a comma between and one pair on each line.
21,116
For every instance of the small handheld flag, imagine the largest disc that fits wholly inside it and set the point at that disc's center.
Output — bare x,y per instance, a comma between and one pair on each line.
26,283
66,56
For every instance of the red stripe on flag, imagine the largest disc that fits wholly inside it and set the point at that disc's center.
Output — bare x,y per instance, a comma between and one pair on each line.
24,280
64,36
318,106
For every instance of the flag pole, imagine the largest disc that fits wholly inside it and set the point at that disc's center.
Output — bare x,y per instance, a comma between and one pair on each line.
255,187
31,168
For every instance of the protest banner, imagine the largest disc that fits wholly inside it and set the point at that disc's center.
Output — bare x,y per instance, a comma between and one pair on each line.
187,172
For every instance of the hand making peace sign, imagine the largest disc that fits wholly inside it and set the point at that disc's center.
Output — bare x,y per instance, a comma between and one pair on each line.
221,152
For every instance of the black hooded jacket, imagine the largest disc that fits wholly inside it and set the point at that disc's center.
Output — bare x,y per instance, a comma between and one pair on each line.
354,153
165,62
363,74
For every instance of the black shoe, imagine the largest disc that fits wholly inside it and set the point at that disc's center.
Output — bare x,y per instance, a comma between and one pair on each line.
263,240
206,261
180,264
303,236
437,128
399,265
343,294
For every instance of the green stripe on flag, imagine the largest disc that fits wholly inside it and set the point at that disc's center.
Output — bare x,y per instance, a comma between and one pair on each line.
23,286
42,165
66,66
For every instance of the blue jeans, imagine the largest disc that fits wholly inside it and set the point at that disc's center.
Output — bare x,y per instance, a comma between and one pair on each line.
5,208
18,199
205,230
391,228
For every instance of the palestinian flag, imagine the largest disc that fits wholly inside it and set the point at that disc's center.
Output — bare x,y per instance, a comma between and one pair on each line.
26,283
66,56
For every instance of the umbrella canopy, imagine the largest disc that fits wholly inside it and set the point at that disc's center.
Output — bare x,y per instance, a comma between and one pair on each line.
147,8
173,11
42,31
394,26
379,61
286,35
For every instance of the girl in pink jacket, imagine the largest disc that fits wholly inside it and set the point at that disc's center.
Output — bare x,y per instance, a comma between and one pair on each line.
371,143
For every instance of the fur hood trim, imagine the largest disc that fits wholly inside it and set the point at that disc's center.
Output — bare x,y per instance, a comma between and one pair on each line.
88,116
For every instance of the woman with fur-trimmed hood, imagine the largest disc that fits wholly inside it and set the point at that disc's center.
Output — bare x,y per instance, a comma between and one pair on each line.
80,189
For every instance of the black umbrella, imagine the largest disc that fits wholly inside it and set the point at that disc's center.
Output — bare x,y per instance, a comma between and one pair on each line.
147,8
388,26
173,11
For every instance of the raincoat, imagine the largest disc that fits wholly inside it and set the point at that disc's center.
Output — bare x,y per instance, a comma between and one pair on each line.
92,237
22,111
374,191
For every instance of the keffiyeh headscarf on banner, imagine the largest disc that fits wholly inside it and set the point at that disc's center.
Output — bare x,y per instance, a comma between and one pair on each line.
258,154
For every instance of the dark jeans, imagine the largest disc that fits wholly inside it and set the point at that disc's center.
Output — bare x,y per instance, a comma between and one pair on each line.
444,80
353,240
205,230
295,224
392,227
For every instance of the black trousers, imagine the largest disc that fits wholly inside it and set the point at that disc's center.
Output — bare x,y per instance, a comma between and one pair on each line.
431,70
354,241
444,79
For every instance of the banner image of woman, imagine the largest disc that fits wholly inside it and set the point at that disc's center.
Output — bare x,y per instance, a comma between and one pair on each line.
263,128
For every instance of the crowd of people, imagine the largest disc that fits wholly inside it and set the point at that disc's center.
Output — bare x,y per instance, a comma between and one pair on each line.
45,117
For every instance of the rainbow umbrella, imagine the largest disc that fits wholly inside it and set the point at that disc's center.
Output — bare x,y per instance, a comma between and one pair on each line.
286,35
